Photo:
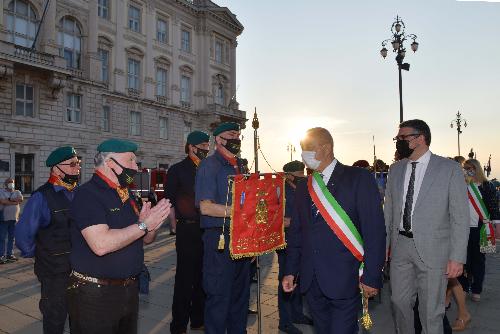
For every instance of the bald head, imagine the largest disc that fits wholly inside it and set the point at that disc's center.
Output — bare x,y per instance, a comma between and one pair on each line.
316,136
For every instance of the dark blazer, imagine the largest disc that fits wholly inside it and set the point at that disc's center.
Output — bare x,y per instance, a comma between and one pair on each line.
314,249
489,194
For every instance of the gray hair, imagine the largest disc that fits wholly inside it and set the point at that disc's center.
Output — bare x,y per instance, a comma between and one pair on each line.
100,157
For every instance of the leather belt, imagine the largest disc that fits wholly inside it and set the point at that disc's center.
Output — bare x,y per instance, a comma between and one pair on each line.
406,234
188,221
104,281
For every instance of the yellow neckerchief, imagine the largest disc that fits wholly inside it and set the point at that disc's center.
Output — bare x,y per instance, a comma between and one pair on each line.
57,181
122,191
194,159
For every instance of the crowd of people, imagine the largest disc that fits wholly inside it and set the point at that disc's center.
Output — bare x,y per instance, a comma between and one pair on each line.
87,240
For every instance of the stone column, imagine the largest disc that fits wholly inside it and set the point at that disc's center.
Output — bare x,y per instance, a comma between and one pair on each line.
119,71
48,34
149,65
92,57
175,78
232,62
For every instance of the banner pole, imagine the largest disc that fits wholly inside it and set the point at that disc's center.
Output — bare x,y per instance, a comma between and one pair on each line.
255,126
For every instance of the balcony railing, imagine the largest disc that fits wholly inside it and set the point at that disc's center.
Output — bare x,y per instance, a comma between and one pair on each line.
219,109
132,92
162,99
185,105
34,56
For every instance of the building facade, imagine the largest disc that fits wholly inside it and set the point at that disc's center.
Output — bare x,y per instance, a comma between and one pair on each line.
144,70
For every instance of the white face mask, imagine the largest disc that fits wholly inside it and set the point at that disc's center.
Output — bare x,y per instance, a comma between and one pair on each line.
11,186
309,159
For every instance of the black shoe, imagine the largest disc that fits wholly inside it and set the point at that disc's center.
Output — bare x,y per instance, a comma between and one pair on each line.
305,320
172,233
198,328
290,329
252,311
11,258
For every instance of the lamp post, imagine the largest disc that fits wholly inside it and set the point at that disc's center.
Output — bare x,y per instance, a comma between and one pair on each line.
291,148
458,121
397,41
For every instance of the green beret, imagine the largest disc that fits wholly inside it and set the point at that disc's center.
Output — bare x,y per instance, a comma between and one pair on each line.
59,155
117,146
227,126
294,166
197,137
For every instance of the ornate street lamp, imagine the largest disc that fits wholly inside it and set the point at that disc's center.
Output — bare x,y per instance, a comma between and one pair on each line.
397,42
458,121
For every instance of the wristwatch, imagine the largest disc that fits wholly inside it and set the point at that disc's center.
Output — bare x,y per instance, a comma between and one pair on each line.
143,227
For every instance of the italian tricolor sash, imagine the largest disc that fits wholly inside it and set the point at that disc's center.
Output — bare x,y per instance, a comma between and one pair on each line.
336,217
487,242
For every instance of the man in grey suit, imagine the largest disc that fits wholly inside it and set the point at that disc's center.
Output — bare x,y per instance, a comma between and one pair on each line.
426,215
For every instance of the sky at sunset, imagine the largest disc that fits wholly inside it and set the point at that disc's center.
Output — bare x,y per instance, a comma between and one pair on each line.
317,63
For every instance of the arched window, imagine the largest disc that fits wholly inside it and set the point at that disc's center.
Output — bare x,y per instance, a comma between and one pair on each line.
70,40
21,22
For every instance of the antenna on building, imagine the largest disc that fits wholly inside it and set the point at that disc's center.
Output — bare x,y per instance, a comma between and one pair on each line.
40,25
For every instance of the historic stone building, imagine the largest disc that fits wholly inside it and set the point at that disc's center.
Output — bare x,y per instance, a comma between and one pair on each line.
146,70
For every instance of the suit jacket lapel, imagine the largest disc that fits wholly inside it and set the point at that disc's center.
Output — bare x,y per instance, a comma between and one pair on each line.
429,178
400,186
335,178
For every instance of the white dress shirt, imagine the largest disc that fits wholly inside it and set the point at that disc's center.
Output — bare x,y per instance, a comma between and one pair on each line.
327,172
420,169
474,217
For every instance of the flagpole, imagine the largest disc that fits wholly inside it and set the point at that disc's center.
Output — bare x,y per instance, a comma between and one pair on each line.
255,126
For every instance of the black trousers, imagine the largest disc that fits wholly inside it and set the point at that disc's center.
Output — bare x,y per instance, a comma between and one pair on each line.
53,304
189,298
99,309
475,266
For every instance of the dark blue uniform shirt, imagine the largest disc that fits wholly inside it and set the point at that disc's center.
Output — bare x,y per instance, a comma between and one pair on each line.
97,203
180,189
212,184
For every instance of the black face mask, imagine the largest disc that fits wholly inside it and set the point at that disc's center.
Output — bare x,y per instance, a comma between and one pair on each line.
68,178
232,145
201,153
127,175
403,148
297,179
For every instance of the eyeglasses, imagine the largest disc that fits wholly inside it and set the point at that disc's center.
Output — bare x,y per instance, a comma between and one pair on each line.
72,163
403,137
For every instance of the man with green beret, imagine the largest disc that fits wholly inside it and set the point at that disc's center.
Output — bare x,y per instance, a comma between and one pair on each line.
108,232
226,281
43,231
189,298
290,304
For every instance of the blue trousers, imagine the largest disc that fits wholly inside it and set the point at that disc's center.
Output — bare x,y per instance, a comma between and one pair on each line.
339,316
7,232
289,304
227,286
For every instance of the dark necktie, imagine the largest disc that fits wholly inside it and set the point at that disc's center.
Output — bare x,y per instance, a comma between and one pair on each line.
409,199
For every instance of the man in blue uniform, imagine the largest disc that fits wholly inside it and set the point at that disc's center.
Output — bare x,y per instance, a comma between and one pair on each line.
290,304
107,234
337,222
43,232
189,298
225,281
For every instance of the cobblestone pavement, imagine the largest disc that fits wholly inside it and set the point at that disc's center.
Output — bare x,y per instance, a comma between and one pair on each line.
20,292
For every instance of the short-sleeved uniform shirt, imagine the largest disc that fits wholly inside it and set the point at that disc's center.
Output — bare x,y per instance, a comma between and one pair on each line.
212,184
10,212
97,203
180,189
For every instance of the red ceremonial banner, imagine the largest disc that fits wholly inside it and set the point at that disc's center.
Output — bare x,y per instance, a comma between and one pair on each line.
257,217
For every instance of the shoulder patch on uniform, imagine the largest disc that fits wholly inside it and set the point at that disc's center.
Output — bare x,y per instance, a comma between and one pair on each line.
114,209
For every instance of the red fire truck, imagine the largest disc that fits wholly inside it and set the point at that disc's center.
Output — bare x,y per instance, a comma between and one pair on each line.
150,179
